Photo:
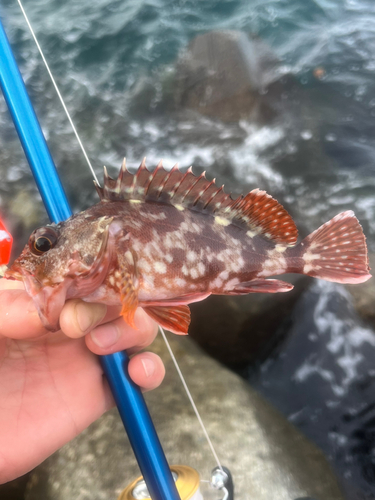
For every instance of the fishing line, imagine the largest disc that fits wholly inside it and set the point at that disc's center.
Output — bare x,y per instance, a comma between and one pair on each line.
94,175
57,91
190,398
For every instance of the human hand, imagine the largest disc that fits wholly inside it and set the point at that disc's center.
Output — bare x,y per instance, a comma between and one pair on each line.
51,385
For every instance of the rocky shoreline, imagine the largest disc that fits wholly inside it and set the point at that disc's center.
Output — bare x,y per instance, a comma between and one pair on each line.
267,456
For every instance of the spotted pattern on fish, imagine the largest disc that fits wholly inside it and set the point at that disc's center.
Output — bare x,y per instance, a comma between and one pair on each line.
164,239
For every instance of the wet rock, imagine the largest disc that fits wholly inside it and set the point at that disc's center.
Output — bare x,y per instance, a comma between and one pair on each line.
244,329
268,458
226,74
364,296
23,207
323,380
14,490
23,214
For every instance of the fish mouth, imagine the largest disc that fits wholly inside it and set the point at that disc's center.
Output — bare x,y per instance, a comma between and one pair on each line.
13,273
48,299
17,272
3,270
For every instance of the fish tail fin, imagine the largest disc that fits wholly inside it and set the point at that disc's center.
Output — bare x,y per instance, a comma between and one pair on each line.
337,251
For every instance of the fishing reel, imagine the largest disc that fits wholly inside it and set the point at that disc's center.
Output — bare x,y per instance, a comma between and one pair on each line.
188,484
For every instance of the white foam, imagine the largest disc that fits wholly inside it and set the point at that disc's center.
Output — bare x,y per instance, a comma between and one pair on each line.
345,336
245,158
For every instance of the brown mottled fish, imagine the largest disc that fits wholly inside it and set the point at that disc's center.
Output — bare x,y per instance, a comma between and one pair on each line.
161,240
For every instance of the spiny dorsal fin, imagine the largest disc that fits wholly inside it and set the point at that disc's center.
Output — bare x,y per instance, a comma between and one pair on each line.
256,212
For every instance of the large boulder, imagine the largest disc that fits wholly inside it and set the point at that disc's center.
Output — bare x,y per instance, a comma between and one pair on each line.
238,330
323,380
225,74
267,456
364,296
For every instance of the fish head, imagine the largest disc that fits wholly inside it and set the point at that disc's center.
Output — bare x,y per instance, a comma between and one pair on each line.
61,261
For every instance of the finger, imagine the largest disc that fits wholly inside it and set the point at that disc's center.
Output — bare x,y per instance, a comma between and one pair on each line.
146,370
77,318
6,284
19,318
118,335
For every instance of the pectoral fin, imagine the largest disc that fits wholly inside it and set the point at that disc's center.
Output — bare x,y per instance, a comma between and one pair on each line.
175,318
129,288
129,299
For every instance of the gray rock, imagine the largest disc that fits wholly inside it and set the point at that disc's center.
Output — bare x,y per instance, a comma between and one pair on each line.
364,296
224,74
244,329
23,207
268,458
323,380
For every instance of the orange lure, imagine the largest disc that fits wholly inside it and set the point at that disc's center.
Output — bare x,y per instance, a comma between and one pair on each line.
6,241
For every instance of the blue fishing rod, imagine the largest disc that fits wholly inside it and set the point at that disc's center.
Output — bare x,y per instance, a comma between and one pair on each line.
130,402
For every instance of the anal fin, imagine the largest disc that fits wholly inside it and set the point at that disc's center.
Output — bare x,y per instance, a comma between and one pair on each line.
175,318
177,301
260,286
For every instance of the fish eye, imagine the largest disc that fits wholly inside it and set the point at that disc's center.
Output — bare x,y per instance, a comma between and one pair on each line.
42,240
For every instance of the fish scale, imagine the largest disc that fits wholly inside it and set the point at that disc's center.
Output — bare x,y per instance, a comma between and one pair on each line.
164,239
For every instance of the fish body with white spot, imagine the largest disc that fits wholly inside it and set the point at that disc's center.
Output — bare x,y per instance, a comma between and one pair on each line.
161,240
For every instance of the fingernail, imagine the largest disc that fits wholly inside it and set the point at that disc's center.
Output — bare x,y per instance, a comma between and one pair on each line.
148,366
89,315
105,336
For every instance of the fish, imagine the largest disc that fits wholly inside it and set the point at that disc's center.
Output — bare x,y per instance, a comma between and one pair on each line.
163,239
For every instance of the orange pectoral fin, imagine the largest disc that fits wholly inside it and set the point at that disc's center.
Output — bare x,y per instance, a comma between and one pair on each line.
176,319
129,300
129,286
129,306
